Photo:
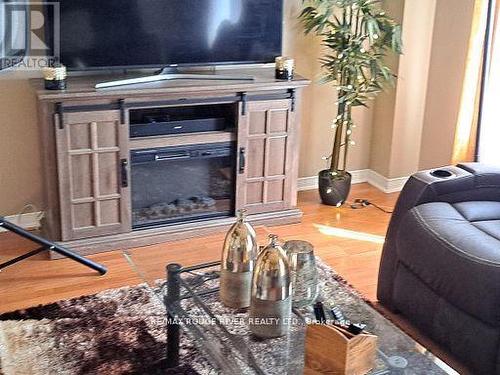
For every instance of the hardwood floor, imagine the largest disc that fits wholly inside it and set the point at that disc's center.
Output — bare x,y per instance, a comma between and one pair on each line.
348,240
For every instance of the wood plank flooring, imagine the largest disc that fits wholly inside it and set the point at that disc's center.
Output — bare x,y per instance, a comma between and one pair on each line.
348,240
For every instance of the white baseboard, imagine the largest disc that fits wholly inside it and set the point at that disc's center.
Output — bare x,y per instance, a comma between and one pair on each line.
28,221
307,183
387,185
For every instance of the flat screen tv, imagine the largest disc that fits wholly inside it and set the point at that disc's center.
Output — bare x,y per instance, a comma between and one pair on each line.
104,34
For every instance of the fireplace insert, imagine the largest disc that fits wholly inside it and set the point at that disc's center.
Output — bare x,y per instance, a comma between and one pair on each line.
182,183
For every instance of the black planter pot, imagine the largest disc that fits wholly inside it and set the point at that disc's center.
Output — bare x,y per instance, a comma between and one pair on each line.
334,188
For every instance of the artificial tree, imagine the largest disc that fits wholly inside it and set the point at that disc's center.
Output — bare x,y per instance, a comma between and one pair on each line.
357,35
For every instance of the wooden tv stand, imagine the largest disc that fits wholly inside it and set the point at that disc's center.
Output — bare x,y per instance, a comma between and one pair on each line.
86,147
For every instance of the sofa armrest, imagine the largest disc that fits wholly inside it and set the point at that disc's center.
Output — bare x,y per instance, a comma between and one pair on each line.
432,185
480,168
465,182
485,175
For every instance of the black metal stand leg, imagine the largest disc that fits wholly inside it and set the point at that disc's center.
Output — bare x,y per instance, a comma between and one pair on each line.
22,257
46,245
78,258
173,329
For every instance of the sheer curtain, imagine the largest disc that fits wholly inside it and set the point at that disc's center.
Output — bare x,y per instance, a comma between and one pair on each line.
489,137
466,132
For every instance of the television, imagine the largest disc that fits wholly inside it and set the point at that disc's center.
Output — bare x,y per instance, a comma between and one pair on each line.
97,34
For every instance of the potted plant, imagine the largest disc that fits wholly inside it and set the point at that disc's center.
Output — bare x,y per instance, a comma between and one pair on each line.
357,35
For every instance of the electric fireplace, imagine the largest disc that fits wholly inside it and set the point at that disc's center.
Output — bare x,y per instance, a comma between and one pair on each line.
182,183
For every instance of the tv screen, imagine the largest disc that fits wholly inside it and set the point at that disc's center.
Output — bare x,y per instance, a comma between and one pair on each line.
153,33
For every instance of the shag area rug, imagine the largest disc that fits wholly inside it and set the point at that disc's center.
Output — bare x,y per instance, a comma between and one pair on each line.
118,331
122,331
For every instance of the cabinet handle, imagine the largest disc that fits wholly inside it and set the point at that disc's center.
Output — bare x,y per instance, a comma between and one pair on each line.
293,97
243,161
59,113
121,105
124,172
243,99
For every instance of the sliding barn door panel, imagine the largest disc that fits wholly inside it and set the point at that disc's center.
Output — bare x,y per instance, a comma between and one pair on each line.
265,140
93,159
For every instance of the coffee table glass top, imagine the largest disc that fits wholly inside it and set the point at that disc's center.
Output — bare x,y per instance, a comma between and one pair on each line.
215,339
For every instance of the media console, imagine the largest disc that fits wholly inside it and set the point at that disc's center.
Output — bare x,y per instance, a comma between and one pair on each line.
149,163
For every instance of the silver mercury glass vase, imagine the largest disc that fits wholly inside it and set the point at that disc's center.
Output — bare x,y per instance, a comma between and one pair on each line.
271,305
238,259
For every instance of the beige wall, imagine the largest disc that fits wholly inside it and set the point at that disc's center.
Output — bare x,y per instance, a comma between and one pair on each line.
20,175
414,126
446,76
384,107
399,114
411,92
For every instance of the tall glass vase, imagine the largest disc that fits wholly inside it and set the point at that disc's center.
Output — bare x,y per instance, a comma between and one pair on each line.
304,274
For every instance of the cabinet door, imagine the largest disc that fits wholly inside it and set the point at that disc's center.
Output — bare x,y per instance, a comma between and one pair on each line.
265,163
93,174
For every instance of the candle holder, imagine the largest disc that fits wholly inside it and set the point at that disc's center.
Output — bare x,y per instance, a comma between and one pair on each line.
55,77
285,67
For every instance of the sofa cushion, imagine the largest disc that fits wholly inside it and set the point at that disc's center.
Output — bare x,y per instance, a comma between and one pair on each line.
478,211
491,227
455,250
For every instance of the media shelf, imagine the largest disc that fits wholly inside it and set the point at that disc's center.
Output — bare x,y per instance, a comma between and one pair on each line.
89,137
147,122
183,139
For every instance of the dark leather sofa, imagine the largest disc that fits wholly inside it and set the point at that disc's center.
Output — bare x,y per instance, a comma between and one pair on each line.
440,265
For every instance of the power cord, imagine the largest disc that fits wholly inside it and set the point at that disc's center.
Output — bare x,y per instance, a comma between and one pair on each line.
362,203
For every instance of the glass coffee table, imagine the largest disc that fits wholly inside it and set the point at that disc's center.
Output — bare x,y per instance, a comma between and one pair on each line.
214,339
